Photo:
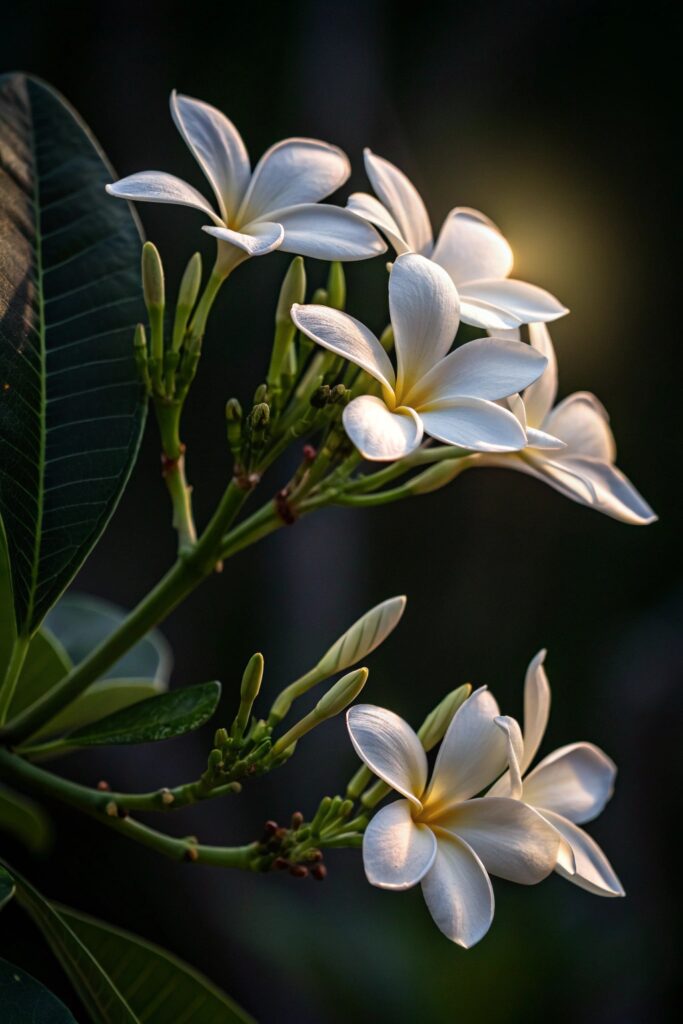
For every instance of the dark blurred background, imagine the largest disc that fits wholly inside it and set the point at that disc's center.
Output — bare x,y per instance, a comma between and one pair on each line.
557,119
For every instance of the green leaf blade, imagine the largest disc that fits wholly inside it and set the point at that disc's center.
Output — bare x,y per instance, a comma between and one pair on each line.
71,406
25,1001
25,820
157,718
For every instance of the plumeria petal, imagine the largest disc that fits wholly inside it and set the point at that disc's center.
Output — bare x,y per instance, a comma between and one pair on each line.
599,485
291,172
217,147
575,781
327,233
515,753
390,749
488,316
562,474
370,209
592,869
512,840
526,302
397,851
346,336
540,396
536,707
379,434
471,248
458,892
402,200
472,754
423,305
256,240
544,442
484,368
473,423
159,187
582,421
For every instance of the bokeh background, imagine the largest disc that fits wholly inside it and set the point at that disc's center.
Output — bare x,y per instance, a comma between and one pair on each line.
558,120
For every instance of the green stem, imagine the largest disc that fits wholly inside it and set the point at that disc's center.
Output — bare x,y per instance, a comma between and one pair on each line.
187,573
208,297
9,683
181,501
422,457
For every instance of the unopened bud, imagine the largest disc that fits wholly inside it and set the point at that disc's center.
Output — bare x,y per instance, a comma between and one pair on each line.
434,727
261,394
187,296
221,738
152,277
251,684
336,286
319,872
321,396
293,290
260,415
320,297
438,475
386,338
339,696
339,394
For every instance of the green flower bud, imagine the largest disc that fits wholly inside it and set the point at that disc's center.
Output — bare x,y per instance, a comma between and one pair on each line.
320,297
187,296
434,727
152,277
336,286
438,475
293,290
386,338
344,691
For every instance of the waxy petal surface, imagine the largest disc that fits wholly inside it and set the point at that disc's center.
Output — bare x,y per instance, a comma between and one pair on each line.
379,434
397,852
390,749
458,892
575,781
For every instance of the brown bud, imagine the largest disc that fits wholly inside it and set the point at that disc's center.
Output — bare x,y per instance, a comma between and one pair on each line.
319,872
297,820
192,854
314,856
103,786
298,871
280,864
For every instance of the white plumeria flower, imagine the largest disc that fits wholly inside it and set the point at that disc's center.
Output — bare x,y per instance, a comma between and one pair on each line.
470,248
571,446
450,397
440,834
275,207
569,787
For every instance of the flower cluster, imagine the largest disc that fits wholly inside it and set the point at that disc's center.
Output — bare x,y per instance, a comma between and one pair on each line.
479,815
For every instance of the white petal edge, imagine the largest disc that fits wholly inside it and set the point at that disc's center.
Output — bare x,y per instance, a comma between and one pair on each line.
472,754
542,441
343,334
370,209
612,493
512,840
536,707
402,200
291,172
582,422
540,396
593,871
397,851
527,303
217,147
159,187
424,312
473,423
471,248
515,754
328,233
390,749
458,892
256,240
575,781
379,434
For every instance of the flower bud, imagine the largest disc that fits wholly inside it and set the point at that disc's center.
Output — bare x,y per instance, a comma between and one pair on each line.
293,290
141,358
251,684
434,727
362,637
152,277
233,418
386,338
320,297
339,696
336,286
438,475
187,296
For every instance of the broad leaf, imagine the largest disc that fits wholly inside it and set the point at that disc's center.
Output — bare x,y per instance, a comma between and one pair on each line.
158,718
100,996
46,663
71,405
6,887
25,820
82,623
98,701
8,629
25,1001
159,988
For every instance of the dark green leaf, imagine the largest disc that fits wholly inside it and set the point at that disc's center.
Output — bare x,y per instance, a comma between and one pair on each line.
25,820
8,629
95,989
82,623
6,887
46,663
158,718
24,1000
71,406
159,988
98,701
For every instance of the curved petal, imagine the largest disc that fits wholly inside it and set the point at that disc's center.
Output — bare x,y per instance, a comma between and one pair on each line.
370,209
488,316
609,490
397,851
544,442
536,708
423,306
575,781
292,172
512,840
159,187
328,233
346,336
565,477
471,248
525,302
540,396
473,423
217,147
515,752
484,368
256,240
472,754
458,892
582,421
402,200
390,749
592,869
379,434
